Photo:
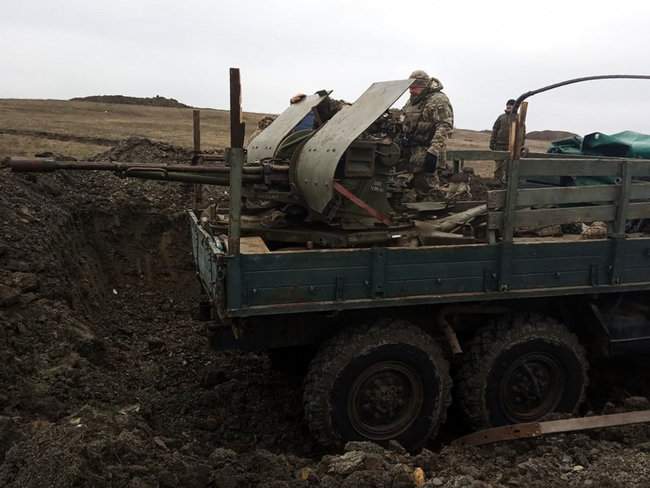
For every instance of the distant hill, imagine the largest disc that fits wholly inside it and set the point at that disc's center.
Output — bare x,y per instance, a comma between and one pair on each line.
549,135
156,101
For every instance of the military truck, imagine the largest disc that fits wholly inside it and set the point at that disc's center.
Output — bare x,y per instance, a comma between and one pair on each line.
509,318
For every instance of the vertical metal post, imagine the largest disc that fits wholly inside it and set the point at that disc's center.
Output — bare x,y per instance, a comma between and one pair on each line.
623,200
618,242
512,186
235,158
196,156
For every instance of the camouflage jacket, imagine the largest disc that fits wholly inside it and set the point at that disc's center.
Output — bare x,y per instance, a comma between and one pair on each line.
429,120
500,139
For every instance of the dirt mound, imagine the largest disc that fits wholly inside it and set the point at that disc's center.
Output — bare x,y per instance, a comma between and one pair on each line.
143,150
156,101
549,135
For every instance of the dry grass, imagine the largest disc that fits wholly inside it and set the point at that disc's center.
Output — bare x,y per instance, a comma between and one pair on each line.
11,145
113,121
173,125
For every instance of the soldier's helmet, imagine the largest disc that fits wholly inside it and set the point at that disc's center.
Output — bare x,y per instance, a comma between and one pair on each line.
421,77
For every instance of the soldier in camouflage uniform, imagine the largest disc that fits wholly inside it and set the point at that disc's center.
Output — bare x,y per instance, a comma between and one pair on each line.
500,138
428,121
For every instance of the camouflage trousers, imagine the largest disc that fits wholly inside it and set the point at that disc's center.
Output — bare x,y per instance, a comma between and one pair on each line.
500,166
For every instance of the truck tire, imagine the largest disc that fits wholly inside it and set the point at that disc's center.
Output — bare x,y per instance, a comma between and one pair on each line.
520,370
377,382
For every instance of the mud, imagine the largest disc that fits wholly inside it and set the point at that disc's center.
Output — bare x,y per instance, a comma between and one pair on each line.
107,379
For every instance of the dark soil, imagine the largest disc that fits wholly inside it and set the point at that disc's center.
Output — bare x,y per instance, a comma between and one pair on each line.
108,381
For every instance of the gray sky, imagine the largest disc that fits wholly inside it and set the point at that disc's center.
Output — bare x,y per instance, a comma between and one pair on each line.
483,51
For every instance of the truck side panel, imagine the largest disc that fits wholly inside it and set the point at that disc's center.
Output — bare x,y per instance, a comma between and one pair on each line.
339,279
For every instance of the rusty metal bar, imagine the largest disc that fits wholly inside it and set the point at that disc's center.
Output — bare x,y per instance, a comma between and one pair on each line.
536,429
345,193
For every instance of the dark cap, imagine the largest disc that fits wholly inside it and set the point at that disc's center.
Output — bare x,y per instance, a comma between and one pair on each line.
512,101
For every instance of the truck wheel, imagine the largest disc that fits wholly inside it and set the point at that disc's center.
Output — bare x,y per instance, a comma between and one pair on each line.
520,370
381,382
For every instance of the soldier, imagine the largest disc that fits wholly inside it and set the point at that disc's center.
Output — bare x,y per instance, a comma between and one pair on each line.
500,139
428,121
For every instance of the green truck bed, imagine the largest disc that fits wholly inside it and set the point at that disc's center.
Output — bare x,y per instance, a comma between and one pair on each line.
271,283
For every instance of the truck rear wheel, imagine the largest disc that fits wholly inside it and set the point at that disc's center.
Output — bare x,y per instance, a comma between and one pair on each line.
381,382
520,370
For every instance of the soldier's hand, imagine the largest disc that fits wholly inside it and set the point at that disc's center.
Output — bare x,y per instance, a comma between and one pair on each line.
297,98
430,162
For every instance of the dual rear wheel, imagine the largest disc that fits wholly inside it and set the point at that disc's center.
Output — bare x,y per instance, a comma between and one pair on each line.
392,381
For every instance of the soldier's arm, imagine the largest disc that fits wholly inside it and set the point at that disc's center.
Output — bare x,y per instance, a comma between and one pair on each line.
442,116
495,130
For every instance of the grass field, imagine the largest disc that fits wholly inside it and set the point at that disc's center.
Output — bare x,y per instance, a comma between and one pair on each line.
79,122
109,121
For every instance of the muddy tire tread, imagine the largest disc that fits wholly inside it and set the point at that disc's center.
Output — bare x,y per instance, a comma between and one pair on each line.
336,353
484,348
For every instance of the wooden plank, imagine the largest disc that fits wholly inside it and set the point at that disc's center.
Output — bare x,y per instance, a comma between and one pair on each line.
237,128
536,429
569,194
535,218
569,167
638,210
196,130
582,167
253,245
516,133
550,216
537,155
477,155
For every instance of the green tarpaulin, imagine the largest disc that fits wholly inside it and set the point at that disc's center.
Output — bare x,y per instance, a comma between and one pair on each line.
627,144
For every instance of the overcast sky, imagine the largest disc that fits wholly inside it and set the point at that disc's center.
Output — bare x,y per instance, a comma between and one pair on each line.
483,51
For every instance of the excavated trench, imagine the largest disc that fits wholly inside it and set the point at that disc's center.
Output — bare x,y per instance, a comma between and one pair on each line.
97,305
108,381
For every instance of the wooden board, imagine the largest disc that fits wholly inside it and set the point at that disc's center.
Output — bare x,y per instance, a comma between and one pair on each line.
570,194
550,216
253,245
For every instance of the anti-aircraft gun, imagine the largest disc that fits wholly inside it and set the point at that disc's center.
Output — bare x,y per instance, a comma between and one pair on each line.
336,184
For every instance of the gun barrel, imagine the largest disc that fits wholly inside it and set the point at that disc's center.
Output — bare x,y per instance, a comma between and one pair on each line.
206,174
41,165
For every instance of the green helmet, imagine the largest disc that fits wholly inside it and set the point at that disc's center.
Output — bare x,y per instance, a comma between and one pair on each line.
421,77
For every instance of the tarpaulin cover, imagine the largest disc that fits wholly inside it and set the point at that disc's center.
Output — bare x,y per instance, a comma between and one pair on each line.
626,144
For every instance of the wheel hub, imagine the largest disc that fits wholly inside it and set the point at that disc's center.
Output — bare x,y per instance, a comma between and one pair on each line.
531,387
385,400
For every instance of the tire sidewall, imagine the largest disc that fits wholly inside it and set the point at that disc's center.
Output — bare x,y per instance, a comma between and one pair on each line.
567,359
429,416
